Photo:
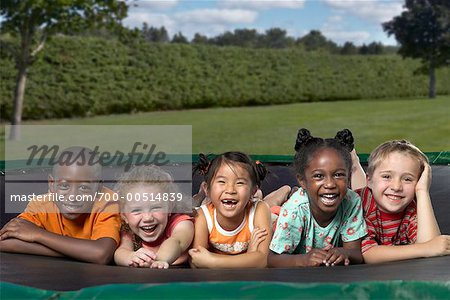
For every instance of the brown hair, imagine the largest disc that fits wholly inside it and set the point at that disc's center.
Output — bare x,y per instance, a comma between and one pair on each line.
382,151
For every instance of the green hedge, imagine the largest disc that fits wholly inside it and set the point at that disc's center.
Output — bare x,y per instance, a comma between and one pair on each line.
85,76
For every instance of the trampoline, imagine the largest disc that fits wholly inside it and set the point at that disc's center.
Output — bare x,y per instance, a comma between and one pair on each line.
39,277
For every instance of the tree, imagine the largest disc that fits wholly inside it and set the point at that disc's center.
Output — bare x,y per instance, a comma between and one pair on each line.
276,38
247,38
153,34
349,49
315,40
34,21
200,39
179,38
423,31
375,48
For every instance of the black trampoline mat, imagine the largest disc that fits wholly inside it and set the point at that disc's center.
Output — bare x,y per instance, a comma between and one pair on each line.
61,274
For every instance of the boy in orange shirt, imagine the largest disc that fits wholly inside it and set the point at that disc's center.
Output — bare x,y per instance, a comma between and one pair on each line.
74,219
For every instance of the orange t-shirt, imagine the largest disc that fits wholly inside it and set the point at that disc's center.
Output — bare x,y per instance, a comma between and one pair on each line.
103,221
229,242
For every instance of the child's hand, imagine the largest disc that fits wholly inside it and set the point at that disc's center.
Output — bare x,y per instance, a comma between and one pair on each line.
336,256
258,236
20,229
438,246
200,197
142,258
201,257
424,182
315,257
157,264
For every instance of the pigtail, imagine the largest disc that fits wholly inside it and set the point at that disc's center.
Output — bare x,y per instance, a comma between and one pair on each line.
345,137
303,137
261,171
202,166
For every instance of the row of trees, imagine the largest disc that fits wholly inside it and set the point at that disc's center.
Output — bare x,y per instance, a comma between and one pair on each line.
272,38
422,29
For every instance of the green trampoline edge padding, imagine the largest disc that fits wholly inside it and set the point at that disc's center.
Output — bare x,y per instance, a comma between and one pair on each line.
242,290
435,158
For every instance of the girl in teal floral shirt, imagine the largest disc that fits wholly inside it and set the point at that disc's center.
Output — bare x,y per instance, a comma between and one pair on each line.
322,223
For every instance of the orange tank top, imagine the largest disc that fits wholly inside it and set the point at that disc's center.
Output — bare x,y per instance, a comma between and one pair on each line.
229,242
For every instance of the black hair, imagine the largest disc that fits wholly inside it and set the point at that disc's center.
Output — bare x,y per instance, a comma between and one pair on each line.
208,168
306,145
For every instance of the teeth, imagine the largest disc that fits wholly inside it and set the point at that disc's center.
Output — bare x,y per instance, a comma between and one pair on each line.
148,228
229,202
328,199
394,197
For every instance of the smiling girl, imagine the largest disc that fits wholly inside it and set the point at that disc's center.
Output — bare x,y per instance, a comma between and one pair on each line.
323,213
231,231
152,236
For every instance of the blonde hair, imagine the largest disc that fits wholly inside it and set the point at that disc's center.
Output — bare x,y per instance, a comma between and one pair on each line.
403,146
150,175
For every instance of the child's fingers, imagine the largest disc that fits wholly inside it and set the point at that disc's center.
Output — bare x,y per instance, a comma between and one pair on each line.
338,259
318,255
193,251
333,258
346,262
149,253
259,232
159,265
143,256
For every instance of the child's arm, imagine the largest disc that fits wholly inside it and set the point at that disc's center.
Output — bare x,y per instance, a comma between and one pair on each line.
97,251
358,180
437,246
313,258
202,258
172,248
349,253
18,246
427,226
126,256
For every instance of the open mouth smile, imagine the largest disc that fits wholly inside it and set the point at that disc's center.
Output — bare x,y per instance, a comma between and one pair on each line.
229,203
149,229
329,199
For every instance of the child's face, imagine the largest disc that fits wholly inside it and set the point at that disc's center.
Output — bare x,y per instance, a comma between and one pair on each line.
393,182
77,186
325,181
147,219
230,190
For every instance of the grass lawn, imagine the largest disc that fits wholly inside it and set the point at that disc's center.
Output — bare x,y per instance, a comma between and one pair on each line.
273,129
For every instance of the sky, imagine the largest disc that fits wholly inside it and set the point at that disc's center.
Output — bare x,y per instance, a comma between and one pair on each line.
358,21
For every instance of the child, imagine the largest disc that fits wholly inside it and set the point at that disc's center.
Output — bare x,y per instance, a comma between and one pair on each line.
69,220
397,206
231,231
153,236
323,212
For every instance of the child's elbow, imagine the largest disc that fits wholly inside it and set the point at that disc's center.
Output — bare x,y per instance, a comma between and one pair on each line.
369,258
262,263
103,257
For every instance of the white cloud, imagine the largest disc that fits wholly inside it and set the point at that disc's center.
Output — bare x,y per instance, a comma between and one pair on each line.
340,36
136,19
217,16
209,22
373,10
262,4
153,4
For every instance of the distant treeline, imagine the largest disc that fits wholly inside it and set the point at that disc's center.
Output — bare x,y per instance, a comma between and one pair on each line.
85,76
274,38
